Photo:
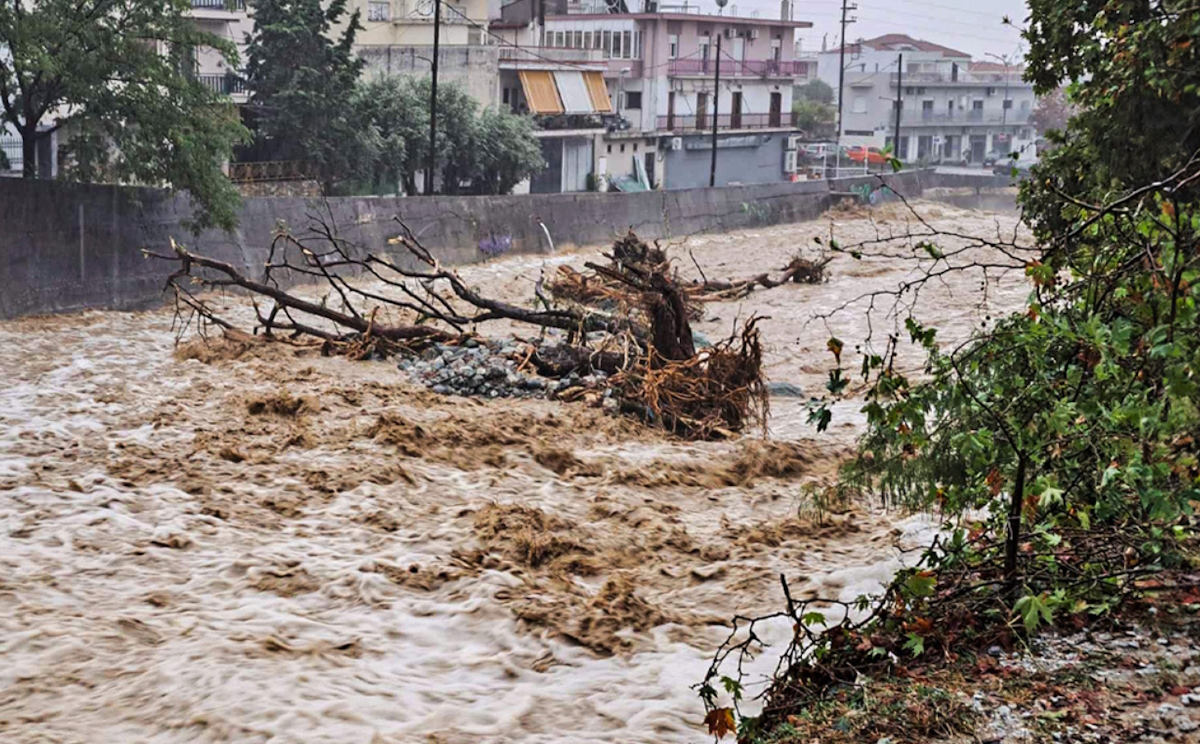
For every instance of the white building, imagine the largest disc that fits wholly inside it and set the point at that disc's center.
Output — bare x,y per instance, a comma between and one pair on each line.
953,109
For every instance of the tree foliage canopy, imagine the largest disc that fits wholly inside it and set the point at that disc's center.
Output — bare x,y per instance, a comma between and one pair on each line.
303,80
1081,411
480,150
116,74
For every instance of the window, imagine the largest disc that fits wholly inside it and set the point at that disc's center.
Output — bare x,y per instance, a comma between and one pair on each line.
379,11
610,149
920,91
587,40
1007,104
506,95
977,105
633,99
673,40
579,40
859,106
606,43
627,44
559,41
622,148
776,49
570,40
637,44
595,40
635,147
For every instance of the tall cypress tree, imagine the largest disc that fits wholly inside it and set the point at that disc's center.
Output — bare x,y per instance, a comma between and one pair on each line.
302,77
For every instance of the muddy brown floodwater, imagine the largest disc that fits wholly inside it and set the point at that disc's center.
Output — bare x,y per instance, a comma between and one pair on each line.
251,544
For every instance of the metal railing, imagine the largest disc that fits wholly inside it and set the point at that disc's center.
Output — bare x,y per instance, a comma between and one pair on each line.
546,54
270,170
227,84
964,77
767,69
790,68
704,123
11,147
230,5
1013,118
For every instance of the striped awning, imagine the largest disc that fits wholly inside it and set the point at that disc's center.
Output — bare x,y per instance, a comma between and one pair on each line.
540,92
598,92
576,98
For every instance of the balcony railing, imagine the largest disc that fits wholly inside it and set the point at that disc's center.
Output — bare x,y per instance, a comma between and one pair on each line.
791,68
548,54
965,77
1012,118
725,121
270,170
227,84
230,5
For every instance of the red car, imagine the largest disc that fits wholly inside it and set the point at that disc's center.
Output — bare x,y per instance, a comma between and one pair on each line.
869,155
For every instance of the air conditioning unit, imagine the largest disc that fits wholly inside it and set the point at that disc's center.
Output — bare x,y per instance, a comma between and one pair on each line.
793,142
789,161
730,32
754,33
677,143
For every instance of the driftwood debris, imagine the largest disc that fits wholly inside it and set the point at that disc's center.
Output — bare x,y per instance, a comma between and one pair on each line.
628,317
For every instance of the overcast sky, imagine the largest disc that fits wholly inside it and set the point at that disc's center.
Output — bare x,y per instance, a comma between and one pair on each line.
969,26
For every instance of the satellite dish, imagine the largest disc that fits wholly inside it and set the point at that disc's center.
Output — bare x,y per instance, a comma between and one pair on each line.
722,3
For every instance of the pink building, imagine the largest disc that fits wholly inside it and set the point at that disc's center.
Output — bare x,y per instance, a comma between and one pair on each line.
660,65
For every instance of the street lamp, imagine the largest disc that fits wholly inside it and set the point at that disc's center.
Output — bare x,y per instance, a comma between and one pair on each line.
1004,106
621,89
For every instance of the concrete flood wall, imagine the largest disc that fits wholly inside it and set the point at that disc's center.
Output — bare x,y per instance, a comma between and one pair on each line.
69,246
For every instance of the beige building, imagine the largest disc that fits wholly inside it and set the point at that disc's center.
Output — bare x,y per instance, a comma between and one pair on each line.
409,23
229,20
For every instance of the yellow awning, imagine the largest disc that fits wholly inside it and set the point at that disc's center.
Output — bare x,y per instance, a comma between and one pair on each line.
540,92
598,92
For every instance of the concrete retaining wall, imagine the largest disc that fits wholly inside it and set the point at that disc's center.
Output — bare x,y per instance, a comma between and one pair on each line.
68,246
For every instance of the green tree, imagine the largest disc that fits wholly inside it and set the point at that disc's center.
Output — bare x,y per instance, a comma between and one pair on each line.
812,116
303,84
816,91
1082,410
507,152
117,75
479,150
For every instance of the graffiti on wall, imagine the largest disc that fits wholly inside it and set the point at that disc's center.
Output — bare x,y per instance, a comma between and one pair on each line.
495,245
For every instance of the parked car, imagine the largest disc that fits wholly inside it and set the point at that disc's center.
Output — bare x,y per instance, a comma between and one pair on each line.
993,157
819,150
1004,166
868,155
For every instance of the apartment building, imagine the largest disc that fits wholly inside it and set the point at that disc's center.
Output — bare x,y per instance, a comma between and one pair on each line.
659,65
227,19
953,109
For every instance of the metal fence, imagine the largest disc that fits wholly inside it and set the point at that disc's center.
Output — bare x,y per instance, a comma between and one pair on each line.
11,147
269,170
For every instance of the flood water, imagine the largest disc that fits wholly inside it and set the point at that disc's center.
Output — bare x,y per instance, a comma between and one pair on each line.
182,560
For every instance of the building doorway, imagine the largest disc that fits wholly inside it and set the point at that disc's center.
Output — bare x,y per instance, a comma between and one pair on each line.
701,111
776,115
735,111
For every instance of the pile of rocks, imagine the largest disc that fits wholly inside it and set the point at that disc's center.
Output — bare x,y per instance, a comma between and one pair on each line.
492,369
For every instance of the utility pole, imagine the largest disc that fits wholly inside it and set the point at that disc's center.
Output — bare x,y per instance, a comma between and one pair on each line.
842,67
432,166
712,171
899,103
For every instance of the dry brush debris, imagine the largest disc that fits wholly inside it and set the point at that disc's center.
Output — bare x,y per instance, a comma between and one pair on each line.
629,342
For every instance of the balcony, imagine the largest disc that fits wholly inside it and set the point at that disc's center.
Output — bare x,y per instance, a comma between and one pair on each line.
966,118
230,85
230,5
534,57
963,79
764,68
682,124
